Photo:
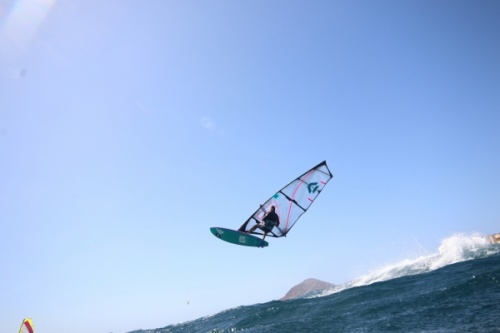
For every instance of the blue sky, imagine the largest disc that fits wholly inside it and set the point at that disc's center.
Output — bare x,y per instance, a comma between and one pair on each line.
127,130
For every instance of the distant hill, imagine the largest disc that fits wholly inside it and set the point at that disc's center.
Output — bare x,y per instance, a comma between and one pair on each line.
306,287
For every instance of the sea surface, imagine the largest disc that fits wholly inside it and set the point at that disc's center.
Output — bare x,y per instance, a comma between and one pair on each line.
456,289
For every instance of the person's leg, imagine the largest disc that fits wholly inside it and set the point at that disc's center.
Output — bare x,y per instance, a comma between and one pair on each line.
252,229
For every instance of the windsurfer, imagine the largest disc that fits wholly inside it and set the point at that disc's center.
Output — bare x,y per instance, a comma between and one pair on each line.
270,221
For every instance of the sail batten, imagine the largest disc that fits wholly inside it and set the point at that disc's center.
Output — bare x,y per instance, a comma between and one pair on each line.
293,200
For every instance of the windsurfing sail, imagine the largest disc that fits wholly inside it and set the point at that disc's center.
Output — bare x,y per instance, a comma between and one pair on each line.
27,326
292,201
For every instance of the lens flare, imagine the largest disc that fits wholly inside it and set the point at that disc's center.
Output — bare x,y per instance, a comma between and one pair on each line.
22,23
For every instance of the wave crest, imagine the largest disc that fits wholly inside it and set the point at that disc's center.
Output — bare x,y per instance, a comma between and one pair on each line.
453,249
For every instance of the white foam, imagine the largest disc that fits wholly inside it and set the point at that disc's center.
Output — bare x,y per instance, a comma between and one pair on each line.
453,249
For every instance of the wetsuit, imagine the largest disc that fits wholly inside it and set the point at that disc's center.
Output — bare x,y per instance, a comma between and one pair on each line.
270,221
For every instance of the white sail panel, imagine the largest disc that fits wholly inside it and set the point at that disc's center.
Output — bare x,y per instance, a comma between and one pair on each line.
293,200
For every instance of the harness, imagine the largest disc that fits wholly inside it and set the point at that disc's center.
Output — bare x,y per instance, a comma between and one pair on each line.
269,225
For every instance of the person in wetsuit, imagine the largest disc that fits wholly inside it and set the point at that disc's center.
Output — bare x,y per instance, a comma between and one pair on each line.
270,221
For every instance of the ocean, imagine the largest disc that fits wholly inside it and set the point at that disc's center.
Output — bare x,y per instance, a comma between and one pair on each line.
454,290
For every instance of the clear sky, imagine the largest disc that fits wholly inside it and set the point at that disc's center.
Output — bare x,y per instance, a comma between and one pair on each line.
129,128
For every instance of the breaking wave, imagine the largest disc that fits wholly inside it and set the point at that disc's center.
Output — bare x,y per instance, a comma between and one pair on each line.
453,249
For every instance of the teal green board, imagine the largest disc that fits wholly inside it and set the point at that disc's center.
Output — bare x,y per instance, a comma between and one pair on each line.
238,237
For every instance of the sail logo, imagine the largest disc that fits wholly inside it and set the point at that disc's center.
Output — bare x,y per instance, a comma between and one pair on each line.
313,187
